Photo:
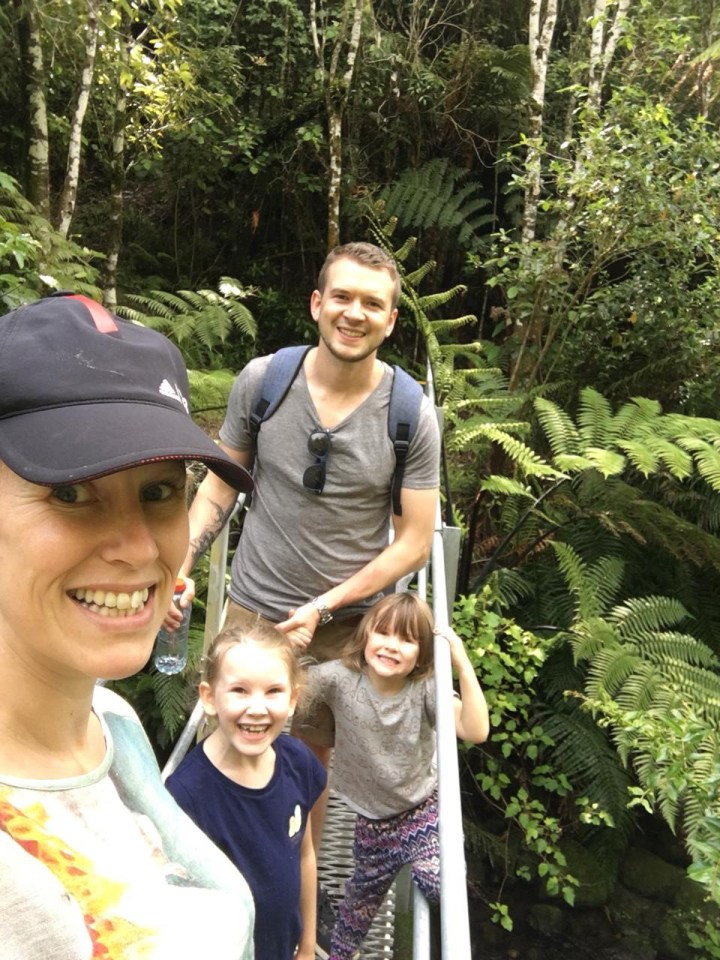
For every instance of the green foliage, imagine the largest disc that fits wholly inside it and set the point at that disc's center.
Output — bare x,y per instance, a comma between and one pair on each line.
610,545
514,772
200,322
439,197
209,392
619,288
35,260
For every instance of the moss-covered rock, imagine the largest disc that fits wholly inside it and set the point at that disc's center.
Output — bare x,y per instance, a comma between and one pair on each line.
650,876
673,939
595,881
547,918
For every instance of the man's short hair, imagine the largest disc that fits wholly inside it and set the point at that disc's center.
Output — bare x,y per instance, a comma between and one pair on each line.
369,256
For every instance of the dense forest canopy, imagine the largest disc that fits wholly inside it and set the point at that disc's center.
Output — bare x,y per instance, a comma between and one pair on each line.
551,170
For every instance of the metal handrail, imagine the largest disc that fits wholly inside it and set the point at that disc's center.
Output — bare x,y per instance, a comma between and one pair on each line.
214,610
454,916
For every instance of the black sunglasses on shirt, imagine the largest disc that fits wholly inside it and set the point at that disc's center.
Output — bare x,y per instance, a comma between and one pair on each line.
318,447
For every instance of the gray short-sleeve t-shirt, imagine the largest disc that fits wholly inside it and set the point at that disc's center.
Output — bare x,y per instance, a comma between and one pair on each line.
295,543
384,760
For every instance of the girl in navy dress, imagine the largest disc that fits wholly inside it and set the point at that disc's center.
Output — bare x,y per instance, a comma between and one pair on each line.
251,788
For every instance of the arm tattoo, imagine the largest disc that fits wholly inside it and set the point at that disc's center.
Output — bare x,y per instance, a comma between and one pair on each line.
205,538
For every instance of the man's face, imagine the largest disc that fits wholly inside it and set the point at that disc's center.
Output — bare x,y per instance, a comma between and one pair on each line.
354,313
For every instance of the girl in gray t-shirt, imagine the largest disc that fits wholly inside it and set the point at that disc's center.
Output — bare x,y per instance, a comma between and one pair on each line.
382,698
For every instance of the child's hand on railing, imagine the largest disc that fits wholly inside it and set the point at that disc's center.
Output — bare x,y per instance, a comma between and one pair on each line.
458,654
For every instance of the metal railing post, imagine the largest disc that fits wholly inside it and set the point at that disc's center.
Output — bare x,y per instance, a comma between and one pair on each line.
455,922
214,611
454,916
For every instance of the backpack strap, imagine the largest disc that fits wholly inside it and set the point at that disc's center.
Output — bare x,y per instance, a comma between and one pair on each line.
284,366
403,413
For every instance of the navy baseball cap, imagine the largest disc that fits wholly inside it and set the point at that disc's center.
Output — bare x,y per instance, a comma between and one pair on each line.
84,393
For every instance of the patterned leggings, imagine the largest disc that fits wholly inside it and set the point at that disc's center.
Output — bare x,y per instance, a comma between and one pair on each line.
380,849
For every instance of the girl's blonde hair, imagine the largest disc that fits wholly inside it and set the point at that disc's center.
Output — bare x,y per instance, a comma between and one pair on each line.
404,614
259,634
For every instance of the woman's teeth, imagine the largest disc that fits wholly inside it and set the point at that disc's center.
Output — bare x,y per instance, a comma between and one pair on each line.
110,604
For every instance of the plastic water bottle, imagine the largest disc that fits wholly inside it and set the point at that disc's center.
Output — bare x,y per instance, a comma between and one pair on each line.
171,646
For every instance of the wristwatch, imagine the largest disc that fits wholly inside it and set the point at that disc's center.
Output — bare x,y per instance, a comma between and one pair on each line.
324,611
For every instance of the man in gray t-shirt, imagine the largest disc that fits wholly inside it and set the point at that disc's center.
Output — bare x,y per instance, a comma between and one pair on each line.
311,562
306,558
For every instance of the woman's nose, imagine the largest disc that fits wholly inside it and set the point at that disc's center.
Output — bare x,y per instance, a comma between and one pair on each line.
130,539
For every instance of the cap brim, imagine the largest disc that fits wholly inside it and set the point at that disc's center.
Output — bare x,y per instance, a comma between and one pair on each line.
80,442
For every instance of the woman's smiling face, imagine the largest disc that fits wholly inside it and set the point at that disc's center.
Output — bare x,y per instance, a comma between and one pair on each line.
87,569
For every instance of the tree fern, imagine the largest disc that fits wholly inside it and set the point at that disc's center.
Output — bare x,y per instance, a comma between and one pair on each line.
595,419
581,750
559,428
438,196
641,615
199,321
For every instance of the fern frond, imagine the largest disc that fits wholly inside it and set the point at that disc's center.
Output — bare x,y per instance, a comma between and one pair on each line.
507,486
442,326
669,645
171,697
610,669
525,458
573,463
607,462
646,614
678,462
595,419
583,753
640,456
559,428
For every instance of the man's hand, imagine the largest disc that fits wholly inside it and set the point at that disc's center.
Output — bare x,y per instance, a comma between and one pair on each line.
300,625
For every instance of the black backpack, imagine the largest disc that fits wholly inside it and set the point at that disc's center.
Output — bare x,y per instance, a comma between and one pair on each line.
403,412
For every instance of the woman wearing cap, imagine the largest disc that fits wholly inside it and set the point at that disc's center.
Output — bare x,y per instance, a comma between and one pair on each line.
95,857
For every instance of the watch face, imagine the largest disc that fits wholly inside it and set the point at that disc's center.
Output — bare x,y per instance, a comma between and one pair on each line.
325,614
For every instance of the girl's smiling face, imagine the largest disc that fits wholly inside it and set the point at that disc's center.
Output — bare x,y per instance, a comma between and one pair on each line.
87,569
390,659
251,697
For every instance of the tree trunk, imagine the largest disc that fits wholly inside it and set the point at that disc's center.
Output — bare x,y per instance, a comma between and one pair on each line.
337,88
117,186
603,42
68,196
335,115
543,15
38,149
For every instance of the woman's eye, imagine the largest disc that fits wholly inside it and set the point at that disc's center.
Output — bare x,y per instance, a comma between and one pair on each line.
158,492
71,493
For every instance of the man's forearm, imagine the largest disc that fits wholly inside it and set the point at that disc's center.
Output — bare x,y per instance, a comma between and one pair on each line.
210,510
204,540
395,562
